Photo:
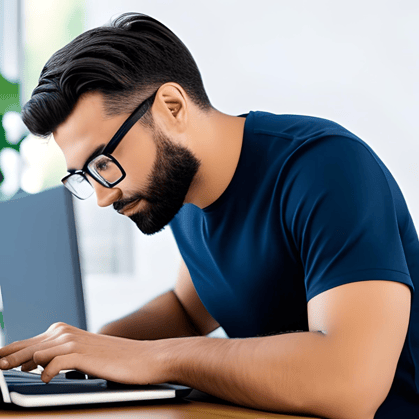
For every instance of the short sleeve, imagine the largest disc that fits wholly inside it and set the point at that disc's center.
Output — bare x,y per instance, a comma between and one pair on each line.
340,213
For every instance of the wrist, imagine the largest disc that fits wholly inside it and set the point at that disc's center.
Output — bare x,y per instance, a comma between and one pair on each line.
169,355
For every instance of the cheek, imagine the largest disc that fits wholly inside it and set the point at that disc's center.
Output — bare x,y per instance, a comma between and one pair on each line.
137,157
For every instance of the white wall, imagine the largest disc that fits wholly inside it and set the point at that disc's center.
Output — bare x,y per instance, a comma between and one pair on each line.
111,294
355,63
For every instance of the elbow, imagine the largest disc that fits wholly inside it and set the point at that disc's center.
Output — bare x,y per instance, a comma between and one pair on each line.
370,395
355,403
358,398
367,388
338,398
356,389
344,398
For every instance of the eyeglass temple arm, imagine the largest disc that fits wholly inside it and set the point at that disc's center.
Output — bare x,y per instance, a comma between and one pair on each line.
127,125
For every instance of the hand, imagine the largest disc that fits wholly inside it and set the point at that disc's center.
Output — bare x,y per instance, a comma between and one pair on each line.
64,347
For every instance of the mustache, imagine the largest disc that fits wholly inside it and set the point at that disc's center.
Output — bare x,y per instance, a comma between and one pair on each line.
119,205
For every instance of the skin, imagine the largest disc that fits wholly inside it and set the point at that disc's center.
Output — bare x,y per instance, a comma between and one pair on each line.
343,372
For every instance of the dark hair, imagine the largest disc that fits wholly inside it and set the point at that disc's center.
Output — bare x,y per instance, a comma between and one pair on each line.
126,61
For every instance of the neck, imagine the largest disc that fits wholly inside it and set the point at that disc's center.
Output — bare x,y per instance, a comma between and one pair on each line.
217,144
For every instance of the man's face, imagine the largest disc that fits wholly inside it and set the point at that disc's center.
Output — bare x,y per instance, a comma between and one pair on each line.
159,172
169,181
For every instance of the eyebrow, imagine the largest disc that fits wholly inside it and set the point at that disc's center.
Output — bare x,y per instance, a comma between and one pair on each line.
96,152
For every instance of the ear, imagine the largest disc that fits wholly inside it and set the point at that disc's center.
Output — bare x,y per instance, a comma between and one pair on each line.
170,108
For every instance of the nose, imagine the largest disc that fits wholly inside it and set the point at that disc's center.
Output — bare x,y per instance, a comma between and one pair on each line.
105,196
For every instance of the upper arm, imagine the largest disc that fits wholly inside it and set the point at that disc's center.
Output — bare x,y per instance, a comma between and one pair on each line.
367,323
186,293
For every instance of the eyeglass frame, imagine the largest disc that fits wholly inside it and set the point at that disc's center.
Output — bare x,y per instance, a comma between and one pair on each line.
136,115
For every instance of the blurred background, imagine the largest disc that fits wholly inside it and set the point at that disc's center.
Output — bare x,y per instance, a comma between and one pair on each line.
355,63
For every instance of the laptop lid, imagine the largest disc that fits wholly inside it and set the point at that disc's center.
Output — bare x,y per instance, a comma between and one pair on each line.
40,275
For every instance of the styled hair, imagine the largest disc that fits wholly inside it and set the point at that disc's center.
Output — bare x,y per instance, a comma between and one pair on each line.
126,61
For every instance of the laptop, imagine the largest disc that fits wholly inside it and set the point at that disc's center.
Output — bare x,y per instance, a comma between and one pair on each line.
41,284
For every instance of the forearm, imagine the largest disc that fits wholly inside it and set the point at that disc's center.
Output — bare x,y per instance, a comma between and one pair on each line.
161,318
288,373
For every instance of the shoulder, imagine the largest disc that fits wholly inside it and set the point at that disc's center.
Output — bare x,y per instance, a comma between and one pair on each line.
293,127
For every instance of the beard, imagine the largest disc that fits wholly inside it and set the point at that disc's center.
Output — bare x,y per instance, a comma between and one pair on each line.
172,174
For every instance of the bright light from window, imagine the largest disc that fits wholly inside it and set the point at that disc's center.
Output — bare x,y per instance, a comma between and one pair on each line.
32,151
10,166
14,127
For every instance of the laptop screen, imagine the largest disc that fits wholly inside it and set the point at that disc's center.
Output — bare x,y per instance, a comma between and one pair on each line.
39,264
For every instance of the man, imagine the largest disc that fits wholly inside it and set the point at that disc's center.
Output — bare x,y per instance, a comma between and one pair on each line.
285,223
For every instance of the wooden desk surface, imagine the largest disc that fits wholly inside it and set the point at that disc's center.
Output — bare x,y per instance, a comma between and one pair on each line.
196,405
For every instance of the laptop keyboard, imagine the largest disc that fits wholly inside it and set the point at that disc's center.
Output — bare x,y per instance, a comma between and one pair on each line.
22,377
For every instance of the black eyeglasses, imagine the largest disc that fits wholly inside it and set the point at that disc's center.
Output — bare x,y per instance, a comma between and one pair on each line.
104,168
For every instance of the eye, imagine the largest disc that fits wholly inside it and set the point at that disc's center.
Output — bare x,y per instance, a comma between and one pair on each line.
101,164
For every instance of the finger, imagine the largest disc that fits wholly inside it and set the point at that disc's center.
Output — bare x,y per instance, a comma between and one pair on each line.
26,354
20,344
29,366
45,356
62,362
16,359
51,333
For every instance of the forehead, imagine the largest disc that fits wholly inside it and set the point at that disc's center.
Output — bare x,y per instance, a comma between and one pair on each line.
85,129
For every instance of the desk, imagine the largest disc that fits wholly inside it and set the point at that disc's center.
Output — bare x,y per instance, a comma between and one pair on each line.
196,405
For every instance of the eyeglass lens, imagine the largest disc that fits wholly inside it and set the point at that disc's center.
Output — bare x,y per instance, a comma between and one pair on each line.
79,186
104,167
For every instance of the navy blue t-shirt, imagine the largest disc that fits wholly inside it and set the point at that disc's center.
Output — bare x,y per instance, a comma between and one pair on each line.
310,207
